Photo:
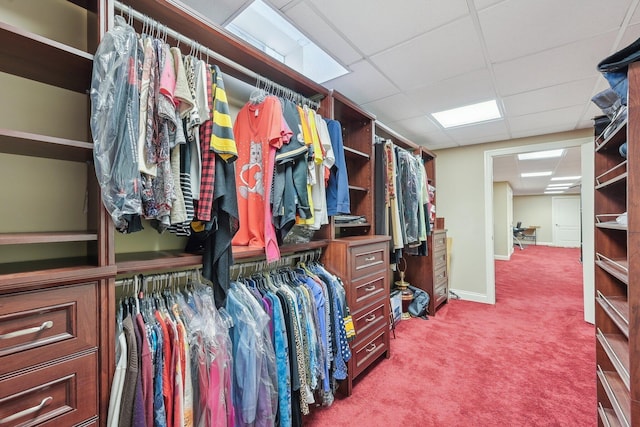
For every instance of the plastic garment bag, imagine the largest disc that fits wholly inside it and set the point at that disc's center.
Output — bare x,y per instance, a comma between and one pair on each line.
114,122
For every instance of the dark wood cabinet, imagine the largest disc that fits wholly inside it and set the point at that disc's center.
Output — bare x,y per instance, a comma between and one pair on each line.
429,272
363,264
617,270
54,270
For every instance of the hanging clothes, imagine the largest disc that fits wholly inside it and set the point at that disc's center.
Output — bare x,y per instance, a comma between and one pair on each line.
338,201
114,108
259,130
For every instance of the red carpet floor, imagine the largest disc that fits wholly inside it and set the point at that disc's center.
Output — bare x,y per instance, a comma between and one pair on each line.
527,361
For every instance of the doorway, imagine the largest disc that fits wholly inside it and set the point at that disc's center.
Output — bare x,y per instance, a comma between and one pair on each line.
587,214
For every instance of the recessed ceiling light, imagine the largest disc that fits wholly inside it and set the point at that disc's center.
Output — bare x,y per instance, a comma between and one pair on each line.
541,154
474,113
553,192
565,178
566,184
564,187
534,174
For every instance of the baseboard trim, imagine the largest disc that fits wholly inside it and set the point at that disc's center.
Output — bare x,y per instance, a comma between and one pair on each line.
502,257
471,296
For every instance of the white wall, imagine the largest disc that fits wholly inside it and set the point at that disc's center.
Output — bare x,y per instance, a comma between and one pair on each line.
588,231
535,210
460,175
502,228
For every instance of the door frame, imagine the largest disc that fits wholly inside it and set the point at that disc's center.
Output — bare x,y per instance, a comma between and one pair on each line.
490,279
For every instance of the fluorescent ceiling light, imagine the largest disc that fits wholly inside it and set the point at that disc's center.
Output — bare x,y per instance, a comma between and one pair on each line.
565,184
534,174
553,192
565,178
468,114
564,187
541,154
267,30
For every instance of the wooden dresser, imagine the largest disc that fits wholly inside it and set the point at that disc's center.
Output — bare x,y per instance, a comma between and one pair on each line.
49,341
440,280
362,262
430,273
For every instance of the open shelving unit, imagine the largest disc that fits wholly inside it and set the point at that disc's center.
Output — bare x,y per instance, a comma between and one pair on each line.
617,279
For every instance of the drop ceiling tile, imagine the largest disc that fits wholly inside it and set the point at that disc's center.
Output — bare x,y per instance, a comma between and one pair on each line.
562,119
437,141
394,108
631,34
553,67
509,33
443,53
591,111
635,18
364,84
483,4
549,98
280,4
483,132
375,25
458,91
421,130
433,146
310,23
523,133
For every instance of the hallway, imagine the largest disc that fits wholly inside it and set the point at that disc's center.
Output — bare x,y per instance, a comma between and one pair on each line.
527,361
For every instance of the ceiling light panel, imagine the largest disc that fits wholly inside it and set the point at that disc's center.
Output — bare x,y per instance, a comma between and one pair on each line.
469,114
565,178
541,154
535,174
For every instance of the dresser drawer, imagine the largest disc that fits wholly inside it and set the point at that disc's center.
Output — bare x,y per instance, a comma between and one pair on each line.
62,394
368,351
439,259
371,319
36,327
439,241
364,291
368,259
440,292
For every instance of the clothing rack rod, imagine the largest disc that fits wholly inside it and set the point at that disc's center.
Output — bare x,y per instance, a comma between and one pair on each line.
127,10
146,277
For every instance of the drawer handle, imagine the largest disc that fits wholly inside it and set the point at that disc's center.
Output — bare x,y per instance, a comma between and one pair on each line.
46,401
370,348
370,258
46,325
370,318
370,288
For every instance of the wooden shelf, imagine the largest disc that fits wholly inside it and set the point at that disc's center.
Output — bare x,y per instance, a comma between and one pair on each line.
353,153
357,188
140,262
53,237
19,276
617,308
31,144
617,348
38,58
615,139
608,417
347,225
616,268
611,225
622,178
617,394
